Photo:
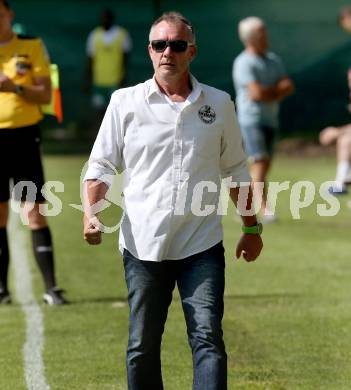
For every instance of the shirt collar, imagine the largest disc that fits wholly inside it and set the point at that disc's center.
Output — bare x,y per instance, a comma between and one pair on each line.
153,88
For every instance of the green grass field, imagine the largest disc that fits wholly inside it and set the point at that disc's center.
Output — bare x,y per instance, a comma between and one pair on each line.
287,319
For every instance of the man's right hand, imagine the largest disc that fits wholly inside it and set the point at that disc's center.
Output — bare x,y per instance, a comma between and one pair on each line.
92,230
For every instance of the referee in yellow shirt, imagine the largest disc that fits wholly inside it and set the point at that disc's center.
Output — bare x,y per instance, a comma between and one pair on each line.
24,86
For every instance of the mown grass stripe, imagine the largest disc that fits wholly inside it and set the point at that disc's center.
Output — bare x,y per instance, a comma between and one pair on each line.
34,343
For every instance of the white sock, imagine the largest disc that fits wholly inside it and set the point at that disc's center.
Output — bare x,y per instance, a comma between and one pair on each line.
268,212
342,170
348,175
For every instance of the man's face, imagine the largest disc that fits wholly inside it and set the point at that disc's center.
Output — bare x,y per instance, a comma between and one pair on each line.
170,64
260,39
345,23
6,16
106,20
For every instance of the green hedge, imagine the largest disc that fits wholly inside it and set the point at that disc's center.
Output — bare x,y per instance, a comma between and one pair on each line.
316,52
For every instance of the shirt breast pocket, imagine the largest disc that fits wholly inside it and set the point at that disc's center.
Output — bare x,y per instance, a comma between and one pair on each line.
207,144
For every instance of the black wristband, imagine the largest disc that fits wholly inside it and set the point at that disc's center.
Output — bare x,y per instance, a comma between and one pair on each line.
19,89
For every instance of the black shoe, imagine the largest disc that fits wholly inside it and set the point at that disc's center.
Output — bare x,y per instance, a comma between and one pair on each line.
5,298
54,296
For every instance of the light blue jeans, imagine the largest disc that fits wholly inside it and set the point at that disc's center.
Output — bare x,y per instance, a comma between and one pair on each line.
200,280
259,141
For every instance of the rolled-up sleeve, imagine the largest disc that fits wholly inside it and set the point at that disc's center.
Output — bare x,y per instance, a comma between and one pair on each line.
233,158
106,156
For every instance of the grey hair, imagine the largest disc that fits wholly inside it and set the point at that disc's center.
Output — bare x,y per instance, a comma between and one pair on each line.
174,18
248,26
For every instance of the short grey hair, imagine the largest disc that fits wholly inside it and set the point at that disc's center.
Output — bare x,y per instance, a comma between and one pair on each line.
174,18
248,26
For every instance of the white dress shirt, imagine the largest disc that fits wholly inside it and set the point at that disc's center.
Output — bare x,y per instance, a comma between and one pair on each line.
167,150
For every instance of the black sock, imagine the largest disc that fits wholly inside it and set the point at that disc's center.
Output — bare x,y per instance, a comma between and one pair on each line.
43,252
4,259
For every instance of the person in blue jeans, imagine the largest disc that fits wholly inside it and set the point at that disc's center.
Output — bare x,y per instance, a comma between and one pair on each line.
261,82
175,138
200,281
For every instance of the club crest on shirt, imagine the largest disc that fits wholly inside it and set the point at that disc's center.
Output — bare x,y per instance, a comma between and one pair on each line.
22,67
207,114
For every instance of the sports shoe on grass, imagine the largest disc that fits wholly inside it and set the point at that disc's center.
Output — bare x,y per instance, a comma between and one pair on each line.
269,218
54,296
5,298
337,190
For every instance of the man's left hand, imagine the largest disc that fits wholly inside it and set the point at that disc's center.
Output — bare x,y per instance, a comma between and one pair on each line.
250,246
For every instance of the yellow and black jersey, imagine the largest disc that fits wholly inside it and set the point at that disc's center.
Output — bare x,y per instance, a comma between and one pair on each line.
108,67
22,59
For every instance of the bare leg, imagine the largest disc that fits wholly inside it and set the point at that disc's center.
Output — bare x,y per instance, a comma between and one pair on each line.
259,172
36,220
4,253
329,135
342,137
343,155
343,146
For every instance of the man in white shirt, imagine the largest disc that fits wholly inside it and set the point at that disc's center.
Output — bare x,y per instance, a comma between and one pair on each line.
175,137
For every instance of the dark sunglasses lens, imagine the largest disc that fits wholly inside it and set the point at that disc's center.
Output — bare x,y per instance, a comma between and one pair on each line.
178,46
159,46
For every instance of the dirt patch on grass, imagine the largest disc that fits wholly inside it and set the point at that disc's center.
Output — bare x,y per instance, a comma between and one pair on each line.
299,147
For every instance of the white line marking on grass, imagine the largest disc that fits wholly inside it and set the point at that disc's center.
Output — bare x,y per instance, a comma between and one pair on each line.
33,347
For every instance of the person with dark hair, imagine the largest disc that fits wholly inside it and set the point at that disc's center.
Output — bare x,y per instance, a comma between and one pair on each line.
24,86
108,47
173,136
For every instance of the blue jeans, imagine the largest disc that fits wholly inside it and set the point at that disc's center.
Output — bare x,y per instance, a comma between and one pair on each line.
200,280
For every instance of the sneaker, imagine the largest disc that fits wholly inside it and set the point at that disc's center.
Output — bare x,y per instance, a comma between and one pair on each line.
5,298
269,218
338,190
54,296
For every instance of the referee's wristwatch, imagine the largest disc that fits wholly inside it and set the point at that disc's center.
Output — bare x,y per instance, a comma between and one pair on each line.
18,89
255,229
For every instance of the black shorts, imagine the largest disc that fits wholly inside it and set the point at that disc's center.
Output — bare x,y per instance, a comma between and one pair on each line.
20,160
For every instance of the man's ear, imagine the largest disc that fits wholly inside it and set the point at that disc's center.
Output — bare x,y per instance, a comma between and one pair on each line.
149,49
193,52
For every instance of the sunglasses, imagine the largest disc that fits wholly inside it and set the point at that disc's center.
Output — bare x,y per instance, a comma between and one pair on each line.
178,46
